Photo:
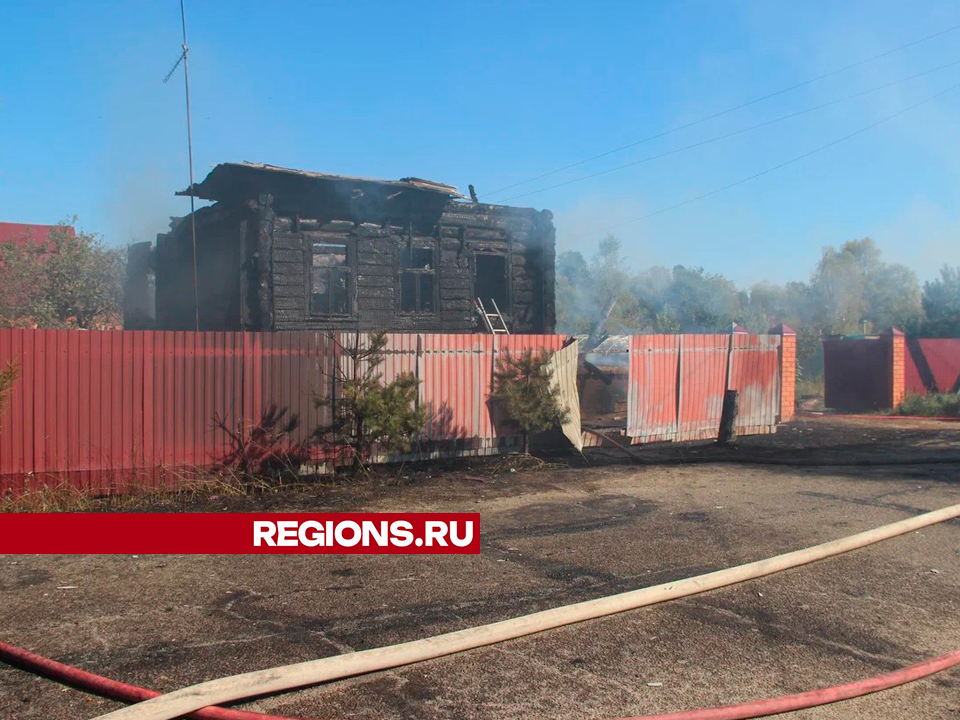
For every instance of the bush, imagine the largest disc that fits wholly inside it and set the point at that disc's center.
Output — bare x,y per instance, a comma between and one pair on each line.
932,405
265,447
368,413
73,280
522,386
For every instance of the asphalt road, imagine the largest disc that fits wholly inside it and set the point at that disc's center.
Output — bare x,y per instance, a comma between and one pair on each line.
548,538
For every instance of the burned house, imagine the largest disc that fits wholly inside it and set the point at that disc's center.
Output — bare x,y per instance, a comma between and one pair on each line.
283,249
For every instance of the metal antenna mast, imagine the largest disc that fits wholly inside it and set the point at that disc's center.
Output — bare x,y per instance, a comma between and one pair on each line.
193,221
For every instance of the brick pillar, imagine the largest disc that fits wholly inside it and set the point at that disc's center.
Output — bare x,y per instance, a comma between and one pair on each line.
788,370
897,348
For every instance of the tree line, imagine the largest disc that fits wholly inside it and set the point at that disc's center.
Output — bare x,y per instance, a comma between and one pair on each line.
74,280
851,290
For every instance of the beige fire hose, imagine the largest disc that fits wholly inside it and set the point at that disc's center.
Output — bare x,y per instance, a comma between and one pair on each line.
311,672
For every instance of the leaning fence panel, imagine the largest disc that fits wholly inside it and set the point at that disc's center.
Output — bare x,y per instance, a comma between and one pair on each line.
677,383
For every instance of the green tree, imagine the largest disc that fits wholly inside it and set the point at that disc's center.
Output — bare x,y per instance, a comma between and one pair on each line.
368,413
762,307
522,386
576,306
667,322
941,302
892,297
851,286
585,291
838,285
610,281
703,302
72,281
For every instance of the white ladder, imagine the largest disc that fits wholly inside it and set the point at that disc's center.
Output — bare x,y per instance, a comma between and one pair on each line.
493,320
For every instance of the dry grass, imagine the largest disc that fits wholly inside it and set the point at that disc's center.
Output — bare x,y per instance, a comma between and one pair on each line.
522,462
46,498
189,489
185,488
810,388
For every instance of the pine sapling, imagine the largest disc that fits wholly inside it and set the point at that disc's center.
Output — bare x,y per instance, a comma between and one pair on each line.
368,413
523,388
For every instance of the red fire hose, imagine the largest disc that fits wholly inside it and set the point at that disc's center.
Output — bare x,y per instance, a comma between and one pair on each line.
113,689
759,708
813,698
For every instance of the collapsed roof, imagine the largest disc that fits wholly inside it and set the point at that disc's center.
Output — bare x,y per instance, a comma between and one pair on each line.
226,179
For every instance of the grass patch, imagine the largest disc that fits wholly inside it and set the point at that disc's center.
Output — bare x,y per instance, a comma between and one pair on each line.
52,495
810,387
46,498
933,405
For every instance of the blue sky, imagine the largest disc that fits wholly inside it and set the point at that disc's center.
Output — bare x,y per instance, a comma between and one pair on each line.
492,93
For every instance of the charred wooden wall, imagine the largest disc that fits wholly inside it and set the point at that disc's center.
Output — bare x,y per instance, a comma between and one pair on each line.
254,265
525,238
220,241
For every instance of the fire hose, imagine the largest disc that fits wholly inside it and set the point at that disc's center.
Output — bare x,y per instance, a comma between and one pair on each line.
756,708
113,689
814,698
288,677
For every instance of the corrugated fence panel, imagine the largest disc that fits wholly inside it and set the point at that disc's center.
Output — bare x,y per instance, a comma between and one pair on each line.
703,373
943,359
455,373
519,343
400,354
652,394
564,365
12,412
113,411
755,373
932,365
677,383
296,374
321,362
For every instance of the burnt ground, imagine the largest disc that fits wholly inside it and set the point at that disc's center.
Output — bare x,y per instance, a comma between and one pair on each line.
548,537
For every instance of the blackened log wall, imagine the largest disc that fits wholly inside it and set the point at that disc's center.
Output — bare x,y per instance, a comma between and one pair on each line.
254,261
219,232
524,237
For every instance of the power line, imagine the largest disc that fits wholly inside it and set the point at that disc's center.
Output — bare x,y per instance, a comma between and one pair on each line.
193,211
721,113
784,164
724,136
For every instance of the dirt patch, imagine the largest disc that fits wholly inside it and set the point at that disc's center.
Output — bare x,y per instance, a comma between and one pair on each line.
548,537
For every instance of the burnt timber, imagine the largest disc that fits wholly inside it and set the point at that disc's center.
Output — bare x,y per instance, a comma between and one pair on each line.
284,249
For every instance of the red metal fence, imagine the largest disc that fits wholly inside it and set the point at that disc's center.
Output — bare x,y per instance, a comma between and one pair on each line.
677,383
872,373
118,410
112,411
857,373
932,365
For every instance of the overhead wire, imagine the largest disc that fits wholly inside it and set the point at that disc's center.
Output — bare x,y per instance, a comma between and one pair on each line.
785,163
724,136
729,110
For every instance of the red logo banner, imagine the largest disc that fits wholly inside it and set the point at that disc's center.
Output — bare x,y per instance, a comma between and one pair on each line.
239,533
